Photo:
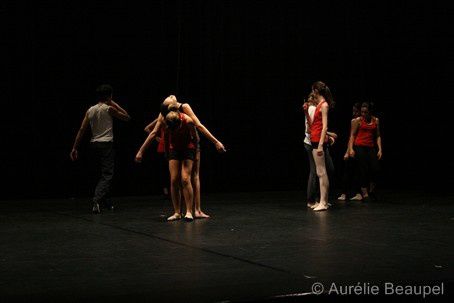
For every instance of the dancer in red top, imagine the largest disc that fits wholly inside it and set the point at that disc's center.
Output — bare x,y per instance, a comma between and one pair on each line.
162,161
319,139
181,149
364,138
350,174
195,177
313,188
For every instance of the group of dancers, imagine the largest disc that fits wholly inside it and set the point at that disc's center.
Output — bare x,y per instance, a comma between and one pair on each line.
177,125
177,130
364,149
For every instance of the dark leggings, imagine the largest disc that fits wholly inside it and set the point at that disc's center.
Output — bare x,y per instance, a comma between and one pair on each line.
367,165
350,182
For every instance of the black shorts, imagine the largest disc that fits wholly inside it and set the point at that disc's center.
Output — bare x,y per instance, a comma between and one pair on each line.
187,154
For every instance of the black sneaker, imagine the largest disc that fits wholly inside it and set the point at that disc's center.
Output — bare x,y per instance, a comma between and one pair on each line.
96,209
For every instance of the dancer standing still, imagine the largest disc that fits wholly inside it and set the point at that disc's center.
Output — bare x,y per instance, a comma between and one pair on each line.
364,138
350,174
313,191
99,118
319,139
309,109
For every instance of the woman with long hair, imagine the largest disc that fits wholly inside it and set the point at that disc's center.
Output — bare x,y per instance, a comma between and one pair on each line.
319,139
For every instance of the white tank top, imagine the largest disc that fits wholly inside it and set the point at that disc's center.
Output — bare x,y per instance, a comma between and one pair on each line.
101,123
311,111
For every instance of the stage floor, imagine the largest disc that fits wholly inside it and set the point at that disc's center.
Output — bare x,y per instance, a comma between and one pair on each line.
255,247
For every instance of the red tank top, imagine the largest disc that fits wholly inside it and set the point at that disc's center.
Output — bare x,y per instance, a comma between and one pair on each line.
366,133
162,142
317,124
183,137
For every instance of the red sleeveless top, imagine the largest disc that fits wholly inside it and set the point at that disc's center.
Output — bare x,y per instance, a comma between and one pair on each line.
317,125
183,137
162,142
366,133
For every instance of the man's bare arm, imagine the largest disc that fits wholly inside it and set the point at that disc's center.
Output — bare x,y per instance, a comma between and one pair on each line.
83,128
118,114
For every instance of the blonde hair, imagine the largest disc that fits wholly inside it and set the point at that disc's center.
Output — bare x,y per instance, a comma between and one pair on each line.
173,120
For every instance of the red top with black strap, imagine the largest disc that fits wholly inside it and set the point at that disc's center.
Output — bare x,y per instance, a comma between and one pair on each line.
162,141
366,133
183,137
317,124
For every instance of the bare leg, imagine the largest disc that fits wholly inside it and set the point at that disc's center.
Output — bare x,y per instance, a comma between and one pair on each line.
188,193
323,180
195,180
174,168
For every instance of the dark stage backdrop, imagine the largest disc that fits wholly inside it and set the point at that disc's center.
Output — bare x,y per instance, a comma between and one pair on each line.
244,67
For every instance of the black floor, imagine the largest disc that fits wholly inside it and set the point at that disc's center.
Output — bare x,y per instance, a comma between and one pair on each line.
256,247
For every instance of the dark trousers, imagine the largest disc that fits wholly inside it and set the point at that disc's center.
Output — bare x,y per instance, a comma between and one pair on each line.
313,188
104,155
350,182
368,166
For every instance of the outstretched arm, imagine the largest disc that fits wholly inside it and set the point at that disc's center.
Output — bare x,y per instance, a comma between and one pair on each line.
151,126
148,141
83,128
188,110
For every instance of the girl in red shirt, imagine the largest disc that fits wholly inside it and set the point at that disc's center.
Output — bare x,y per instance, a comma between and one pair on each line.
319,139
180,148
366,146
350,174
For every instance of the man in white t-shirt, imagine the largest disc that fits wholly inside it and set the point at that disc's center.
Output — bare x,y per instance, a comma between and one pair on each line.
99,118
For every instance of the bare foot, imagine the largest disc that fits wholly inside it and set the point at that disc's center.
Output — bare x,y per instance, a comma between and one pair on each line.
316,204
188,217
357,197
200,214
175,216
321,206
